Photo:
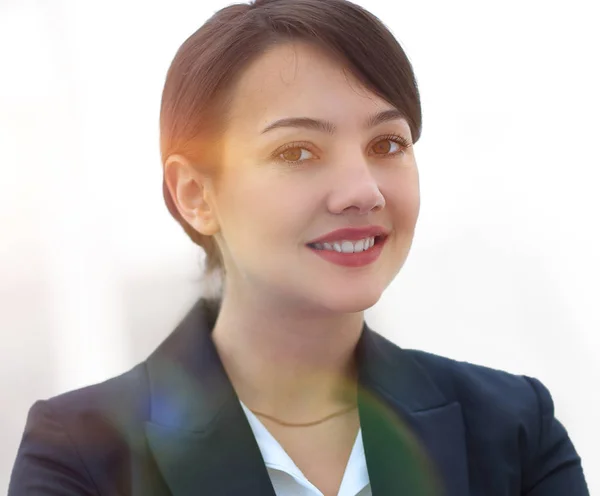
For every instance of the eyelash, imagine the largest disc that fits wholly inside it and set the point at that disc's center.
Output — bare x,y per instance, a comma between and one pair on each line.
403,142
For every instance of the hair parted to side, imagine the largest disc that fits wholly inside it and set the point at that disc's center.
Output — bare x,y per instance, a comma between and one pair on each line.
207,65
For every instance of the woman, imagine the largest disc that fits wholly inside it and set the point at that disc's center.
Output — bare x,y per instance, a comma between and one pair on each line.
287,132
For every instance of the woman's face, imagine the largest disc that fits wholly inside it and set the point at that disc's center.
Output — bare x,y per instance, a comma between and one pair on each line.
282,188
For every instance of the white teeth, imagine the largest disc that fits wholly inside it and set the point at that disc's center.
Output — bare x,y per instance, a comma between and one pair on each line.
347,246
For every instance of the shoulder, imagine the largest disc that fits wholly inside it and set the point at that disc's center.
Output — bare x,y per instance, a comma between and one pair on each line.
120,400
100,414
486,390
466,379
92,419
513,413
77,439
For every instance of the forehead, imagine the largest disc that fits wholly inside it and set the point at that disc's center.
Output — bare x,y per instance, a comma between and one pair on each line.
298,79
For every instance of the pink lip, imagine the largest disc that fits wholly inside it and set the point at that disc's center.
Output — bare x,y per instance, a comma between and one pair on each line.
351,234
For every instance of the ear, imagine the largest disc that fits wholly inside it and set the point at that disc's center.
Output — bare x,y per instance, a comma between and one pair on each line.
192,194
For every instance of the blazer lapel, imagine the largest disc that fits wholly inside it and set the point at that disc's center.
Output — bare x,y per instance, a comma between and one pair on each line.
413,436
198,432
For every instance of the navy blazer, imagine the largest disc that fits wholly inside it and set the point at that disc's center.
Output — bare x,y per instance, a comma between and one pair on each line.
173,426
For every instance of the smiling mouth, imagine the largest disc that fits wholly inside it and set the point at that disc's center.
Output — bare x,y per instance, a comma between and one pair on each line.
347,246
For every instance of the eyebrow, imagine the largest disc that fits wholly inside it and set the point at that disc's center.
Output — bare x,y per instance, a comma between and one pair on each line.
327,126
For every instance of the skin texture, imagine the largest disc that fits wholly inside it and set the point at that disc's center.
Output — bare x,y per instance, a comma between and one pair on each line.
290,320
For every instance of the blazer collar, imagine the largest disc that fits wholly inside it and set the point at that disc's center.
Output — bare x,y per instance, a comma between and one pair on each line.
201,440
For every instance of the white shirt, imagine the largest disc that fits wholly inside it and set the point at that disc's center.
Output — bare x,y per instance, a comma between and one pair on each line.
288,480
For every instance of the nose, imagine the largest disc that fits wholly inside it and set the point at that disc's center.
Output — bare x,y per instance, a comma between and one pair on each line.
355,189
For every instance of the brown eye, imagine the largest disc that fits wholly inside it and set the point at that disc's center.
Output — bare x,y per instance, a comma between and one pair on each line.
383,147
292,154
390,146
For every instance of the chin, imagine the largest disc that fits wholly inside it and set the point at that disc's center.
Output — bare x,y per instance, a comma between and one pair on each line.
349,301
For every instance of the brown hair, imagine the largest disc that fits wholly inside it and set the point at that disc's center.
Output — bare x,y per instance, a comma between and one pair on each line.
209,62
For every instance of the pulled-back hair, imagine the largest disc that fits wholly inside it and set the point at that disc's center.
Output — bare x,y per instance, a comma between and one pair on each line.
197,87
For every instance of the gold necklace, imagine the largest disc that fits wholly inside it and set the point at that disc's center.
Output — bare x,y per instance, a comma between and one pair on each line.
306,424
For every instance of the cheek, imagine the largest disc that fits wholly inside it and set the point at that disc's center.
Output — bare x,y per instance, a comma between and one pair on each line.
403,199
264,208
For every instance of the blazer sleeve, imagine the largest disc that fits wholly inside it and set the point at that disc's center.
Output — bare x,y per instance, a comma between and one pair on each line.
47,462
554,468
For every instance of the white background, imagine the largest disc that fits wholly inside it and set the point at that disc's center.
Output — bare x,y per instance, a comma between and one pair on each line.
504,270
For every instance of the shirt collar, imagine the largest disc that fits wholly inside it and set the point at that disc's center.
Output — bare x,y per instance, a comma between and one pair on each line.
356,475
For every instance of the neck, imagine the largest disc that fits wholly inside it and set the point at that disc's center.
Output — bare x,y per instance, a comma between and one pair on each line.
288,362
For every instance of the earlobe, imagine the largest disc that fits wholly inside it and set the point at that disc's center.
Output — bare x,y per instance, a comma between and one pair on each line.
190,191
